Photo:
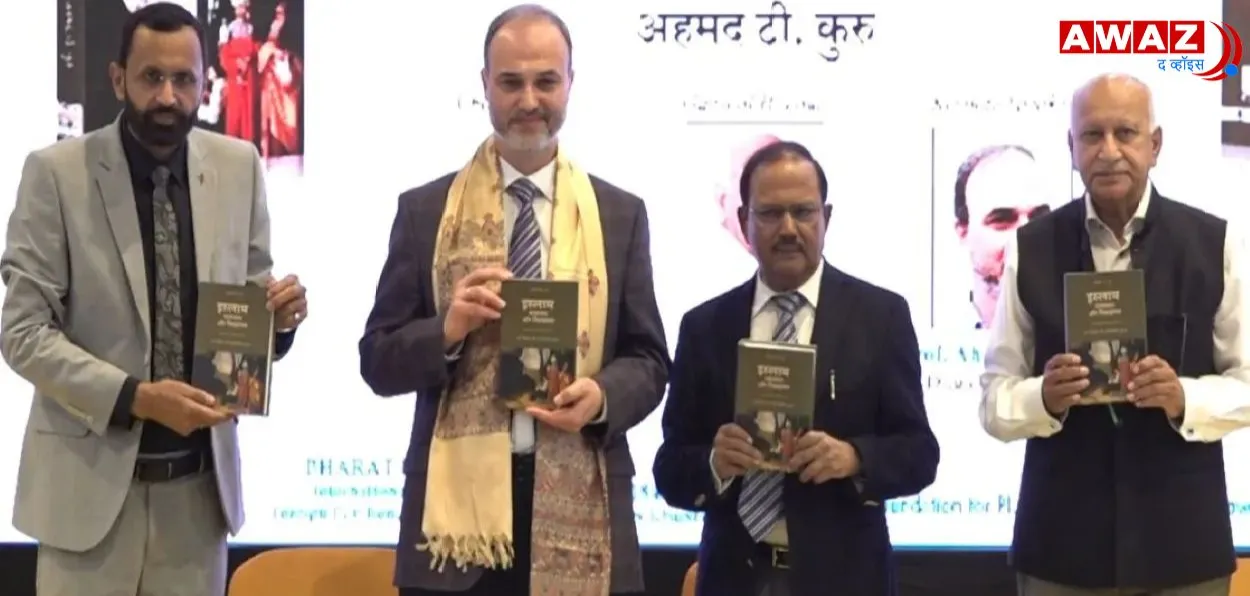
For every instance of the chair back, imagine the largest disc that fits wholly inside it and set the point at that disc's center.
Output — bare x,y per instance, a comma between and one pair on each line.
315,571
1241,579
692,576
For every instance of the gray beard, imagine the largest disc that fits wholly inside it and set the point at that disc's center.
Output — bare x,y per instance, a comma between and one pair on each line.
525,143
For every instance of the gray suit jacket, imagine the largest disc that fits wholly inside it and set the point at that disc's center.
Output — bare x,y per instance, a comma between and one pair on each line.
75,318
402,352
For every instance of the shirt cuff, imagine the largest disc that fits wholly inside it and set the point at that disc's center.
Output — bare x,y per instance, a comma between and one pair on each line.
1029,392
721,485
603,412
1195,415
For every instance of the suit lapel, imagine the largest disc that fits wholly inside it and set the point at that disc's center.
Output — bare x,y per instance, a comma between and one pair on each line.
733,321
203,190
831,315
111,177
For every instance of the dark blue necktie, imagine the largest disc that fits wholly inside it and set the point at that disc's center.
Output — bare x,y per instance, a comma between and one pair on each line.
525,247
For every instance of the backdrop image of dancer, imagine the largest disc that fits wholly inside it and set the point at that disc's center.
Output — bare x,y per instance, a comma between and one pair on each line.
255,75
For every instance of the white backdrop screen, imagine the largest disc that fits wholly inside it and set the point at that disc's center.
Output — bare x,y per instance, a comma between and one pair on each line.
390,98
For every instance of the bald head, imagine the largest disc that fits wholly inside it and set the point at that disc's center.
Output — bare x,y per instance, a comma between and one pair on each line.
528,14
1114,138
1118,89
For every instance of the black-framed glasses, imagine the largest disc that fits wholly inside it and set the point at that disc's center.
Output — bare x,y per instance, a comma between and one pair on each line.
774,215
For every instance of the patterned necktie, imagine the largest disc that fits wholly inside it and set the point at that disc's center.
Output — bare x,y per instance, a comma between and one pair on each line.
167,360
760,501
525,247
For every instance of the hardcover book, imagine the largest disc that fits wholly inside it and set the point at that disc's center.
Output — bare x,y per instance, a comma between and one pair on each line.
234,347
1105,324
538,341
775,396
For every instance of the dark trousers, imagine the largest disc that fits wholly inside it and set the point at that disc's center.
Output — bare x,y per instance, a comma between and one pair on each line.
514,581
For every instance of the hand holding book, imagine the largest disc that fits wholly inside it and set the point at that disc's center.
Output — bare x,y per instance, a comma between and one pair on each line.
575,406
1064,379
178,406
1154,384
733,452
819,458
287,300
475,302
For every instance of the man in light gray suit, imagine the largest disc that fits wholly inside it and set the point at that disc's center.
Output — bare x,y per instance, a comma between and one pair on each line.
129,477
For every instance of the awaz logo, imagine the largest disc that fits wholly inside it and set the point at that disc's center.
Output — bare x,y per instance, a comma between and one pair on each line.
1178,39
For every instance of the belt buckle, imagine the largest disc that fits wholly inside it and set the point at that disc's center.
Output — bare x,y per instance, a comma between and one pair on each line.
778,559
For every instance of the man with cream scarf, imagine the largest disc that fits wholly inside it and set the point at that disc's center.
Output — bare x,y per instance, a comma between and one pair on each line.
495,502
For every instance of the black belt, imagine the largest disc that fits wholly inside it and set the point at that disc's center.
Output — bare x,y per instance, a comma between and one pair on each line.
164,469
777,557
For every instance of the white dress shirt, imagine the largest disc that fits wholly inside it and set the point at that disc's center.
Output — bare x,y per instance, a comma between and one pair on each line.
1215,405
764,319
523,431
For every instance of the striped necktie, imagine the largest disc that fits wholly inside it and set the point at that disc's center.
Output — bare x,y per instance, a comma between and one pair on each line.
760,502
525,247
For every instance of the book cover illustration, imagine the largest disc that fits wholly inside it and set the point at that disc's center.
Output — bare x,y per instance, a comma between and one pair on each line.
775,396
234,347
538,341
1105,324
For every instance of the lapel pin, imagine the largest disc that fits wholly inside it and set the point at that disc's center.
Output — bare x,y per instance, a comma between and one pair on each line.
833,384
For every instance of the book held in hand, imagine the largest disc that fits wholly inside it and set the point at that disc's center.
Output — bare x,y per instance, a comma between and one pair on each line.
234,347
775,396
538,341
1105,324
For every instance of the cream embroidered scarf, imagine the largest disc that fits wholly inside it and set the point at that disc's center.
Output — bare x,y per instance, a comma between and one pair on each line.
468,501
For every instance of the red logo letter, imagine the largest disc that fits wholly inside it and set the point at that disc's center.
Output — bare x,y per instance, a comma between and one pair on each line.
1150,37
1113,37
1186,37
1076,37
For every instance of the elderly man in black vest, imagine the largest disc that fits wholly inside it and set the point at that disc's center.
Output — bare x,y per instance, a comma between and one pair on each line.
1126,499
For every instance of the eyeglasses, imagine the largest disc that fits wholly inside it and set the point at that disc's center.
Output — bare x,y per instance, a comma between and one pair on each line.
774,215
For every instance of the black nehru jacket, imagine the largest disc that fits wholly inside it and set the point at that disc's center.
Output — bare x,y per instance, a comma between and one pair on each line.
1129,504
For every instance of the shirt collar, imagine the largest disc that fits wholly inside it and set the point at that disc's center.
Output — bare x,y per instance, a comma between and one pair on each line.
142,163
544,178
1134,223
809,290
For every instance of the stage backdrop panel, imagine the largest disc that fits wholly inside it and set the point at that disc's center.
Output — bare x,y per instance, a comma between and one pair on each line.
350,104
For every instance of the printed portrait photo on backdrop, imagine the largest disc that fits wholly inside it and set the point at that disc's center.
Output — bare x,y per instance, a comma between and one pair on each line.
727,194
985,186
255,76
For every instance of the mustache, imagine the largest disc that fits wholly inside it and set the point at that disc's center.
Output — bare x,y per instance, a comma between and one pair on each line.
153,113
787,244
534,115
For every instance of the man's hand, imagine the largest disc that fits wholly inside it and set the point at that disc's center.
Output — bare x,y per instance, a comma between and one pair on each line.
288,301
177,405
1063,380
576,406
1155,385
819,458
474,301
733,454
